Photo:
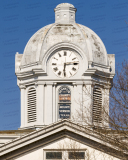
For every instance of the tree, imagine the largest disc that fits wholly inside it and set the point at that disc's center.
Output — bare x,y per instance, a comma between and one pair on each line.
72,149
117,117
119,99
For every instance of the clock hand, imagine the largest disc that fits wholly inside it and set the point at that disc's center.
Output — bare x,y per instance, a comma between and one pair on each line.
72,62
64,70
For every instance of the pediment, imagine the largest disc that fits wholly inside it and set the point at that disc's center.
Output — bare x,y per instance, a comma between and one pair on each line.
54,133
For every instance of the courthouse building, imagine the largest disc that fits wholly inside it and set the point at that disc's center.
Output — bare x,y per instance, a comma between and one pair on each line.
64,76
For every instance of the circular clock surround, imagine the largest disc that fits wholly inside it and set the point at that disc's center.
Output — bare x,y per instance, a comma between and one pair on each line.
65,63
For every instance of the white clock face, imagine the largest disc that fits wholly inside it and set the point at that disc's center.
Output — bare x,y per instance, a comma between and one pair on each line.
65,63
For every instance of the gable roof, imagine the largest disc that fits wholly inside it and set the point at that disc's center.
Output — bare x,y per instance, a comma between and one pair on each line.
55,131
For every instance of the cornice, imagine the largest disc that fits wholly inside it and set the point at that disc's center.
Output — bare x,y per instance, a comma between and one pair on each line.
63,125
22,86
92,64
33,72
30,65
96,72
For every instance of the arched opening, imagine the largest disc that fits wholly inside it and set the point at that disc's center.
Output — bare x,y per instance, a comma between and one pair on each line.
64,102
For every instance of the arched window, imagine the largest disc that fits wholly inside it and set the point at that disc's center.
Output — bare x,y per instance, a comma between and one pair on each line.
31,105
64,102
97,105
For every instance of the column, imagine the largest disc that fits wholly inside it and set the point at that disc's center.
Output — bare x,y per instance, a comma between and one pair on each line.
78,102
87,104
22,92
54,113
40,103
48,104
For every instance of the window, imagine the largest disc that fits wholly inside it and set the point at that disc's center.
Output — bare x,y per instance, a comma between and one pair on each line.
65,154
53,155
76,155
31,105
64,102
97,105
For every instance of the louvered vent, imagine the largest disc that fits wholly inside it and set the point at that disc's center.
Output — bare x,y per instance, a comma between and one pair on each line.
31,105
97,105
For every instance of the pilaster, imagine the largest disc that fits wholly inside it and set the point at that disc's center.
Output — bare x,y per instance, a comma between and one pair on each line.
40,103
48,103
22,92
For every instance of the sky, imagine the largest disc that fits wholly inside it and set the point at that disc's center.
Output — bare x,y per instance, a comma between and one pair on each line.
20,19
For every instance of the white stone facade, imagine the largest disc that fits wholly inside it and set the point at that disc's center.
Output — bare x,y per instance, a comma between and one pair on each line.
62,75
65,146
63,136
34,69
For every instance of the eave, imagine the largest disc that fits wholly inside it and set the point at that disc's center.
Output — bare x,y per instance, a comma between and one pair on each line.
58,130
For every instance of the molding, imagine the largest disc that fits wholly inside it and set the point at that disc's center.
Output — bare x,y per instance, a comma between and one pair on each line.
105,85
65,127
80,83
31,73
93,64
34,127
44,58
22,86
74,84
89,72
54,84
41,82
31,64
96,72
49,83
28,84
37,71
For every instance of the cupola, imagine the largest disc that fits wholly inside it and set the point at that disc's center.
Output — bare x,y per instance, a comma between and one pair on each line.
65,13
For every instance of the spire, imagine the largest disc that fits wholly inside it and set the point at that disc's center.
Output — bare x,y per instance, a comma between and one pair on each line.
65,13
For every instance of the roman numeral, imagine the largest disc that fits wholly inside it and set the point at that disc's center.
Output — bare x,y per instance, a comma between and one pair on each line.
55,58
53,63
65,53
74,58
55,69
59,73
74,69
70,54
70,73
64,74
59,54
75,63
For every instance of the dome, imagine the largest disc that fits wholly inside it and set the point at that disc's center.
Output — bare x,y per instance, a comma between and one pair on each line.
53,34
65,5
64,31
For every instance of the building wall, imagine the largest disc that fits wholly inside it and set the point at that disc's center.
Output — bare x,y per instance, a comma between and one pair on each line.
65,145
47,103
47,93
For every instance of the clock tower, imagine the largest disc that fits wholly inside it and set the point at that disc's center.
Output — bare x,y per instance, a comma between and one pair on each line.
64,72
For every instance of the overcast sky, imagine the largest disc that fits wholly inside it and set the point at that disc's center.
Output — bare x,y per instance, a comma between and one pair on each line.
20,19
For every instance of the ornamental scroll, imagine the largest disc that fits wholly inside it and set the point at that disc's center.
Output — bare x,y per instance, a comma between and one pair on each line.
64,102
